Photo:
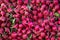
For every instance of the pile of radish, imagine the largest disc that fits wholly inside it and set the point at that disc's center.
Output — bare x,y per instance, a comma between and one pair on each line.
29,19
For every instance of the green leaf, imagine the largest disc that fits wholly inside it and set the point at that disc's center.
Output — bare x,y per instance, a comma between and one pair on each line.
5,33
56,36
13,29
0,35
10,16
13,21
12,7
30,36
29,7
57,14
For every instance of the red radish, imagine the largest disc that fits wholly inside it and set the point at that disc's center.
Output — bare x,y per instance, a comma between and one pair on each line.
24,36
